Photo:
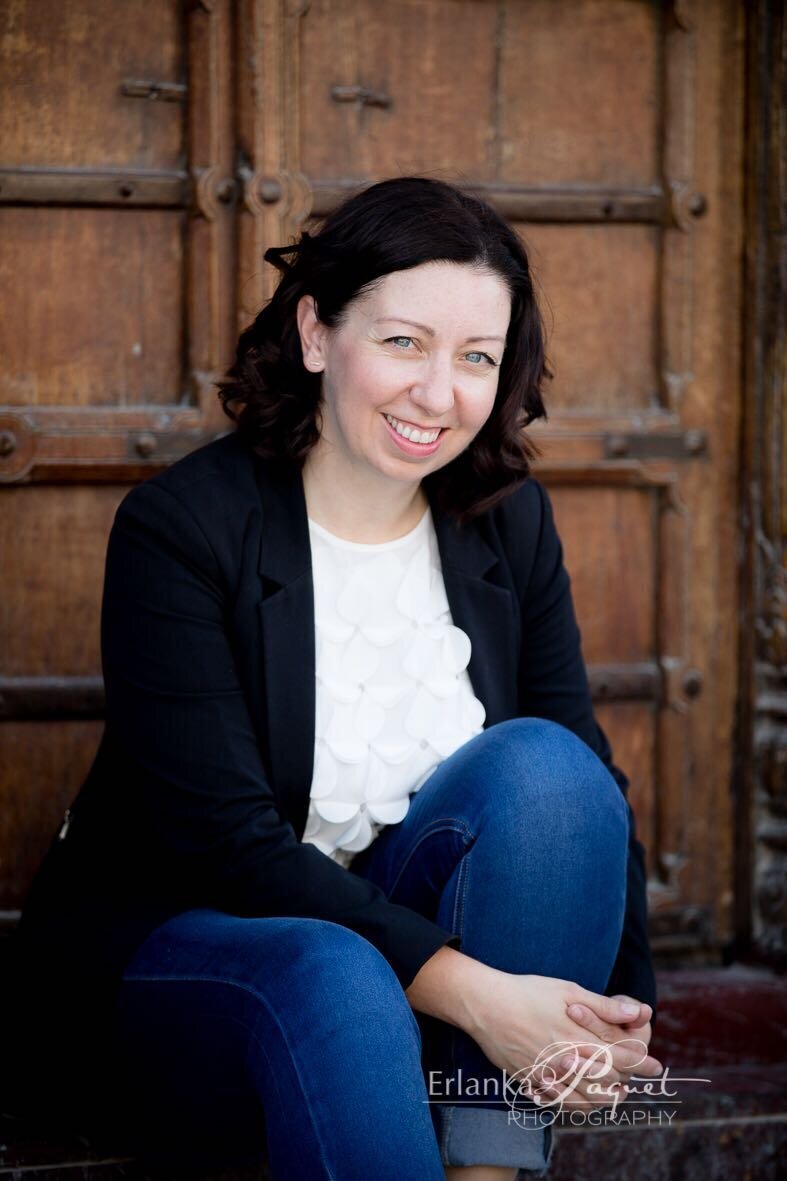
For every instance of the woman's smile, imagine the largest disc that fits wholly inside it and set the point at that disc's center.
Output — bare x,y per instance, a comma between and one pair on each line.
411,439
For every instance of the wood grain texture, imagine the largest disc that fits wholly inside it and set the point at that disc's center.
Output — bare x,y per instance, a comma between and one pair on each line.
91,307
51,578
610,555
598,287
60,86
631,729
436,62
579,92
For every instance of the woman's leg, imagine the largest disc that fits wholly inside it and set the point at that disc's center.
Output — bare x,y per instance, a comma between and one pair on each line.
236,1030
518,843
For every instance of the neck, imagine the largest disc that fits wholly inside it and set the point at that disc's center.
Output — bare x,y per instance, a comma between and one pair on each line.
359,505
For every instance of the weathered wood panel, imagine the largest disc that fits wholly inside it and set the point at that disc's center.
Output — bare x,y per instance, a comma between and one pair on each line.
65,66
51,578
381,92
599,287
91,307
579,92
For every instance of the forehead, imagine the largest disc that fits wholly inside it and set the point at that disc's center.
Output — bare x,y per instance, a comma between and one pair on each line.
444,291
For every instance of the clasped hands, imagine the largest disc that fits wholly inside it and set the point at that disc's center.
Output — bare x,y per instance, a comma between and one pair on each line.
597,1071
581,1049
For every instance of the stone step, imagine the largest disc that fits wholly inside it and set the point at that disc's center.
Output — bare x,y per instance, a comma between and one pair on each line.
728,1027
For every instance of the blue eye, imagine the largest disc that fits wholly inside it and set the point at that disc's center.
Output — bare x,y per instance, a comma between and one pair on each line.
397,339
484,357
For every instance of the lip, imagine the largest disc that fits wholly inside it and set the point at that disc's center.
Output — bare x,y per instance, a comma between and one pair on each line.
417,449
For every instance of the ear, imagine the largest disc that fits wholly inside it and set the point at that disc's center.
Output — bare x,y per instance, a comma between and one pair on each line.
312,334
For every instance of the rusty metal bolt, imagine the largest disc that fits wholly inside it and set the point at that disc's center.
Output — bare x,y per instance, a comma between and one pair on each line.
692,683
145,445
698,204
270,191
694,442
7,442
617,445
225,190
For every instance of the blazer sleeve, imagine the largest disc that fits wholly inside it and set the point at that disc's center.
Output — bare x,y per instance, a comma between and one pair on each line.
553,684
175,705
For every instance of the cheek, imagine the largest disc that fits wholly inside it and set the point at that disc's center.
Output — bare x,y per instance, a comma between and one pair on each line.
373,381
477,405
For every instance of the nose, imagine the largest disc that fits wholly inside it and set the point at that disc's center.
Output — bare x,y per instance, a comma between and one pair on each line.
433,391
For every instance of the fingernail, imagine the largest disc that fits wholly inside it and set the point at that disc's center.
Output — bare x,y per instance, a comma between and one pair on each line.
630,1010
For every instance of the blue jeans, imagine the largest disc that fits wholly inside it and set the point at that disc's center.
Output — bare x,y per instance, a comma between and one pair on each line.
295,1033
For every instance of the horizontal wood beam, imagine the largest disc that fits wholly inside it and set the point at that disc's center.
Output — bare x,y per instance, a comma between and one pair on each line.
178,189
90,445
625,682
51,698
107,187
566,203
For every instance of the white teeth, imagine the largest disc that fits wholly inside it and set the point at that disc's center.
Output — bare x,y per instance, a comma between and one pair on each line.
415,436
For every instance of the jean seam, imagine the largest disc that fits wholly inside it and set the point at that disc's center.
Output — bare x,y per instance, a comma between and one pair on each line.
262,1000
435,826
457,924
461,897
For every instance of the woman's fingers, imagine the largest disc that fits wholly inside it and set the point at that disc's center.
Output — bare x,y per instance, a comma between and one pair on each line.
614,1010
646,1010
579,1095
622,1047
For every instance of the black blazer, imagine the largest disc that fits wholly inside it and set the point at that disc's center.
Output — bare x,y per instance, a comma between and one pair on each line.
199,791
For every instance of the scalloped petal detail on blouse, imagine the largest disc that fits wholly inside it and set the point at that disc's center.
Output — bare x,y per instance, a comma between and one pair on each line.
393,694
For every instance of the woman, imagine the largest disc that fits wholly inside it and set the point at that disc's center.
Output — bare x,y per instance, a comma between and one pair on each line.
352,828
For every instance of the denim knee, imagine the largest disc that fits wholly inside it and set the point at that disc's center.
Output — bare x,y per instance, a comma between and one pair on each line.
529,760
338,962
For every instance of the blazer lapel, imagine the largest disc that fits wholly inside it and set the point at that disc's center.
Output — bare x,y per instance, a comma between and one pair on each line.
482,607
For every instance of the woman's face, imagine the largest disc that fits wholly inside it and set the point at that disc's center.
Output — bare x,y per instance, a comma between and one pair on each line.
419,352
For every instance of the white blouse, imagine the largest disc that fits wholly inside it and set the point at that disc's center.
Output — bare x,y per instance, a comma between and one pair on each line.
393,695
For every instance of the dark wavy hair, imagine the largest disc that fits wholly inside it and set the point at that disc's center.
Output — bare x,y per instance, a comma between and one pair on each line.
392,226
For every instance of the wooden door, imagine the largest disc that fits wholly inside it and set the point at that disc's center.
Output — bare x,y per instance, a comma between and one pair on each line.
117,240
608,131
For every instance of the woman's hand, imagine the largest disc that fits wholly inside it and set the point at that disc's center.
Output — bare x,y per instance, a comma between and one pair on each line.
527,1026
639,1031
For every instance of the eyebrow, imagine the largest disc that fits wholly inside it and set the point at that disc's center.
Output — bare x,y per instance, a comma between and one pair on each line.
430,331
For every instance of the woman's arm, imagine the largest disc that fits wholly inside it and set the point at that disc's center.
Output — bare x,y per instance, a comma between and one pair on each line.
199,798
523,1020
